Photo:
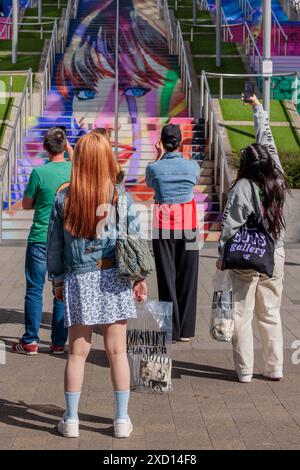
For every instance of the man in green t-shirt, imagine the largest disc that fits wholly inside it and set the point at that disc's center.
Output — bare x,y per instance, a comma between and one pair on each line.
39,195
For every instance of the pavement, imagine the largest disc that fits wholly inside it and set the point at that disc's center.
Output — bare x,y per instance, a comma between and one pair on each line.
208,408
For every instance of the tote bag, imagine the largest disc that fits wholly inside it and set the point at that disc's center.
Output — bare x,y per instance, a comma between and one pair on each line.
252,247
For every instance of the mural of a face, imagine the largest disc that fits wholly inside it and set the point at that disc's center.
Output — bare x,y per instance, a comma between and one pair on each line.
149,81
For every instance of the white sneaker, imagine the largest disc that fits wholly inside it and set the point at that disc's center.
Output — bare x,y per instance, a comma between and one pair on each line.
68,428
245,378
123,427
274,376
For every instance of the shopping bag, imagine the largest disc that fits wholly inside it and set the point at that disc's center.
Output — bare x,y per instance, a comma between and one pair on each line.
222,323
149,341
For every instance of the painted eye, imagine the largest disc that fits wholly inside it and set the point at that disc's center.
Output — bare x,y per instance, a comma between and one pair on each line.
85,94
137,91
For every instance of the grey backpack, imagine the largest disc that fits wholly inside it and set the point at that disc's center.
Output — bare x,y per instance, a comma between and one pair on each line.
133,257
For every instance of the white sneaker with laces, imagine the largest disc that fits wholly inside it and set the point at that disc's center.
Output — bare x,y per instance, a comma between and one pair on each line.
245,378
68,428
123,427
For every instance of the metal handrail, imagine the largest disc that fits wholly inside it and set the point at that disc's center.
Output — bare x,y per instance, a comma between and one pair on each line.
164,13
6,25
29,4
251,48
226,29
184,66
203,5
11,76
48,68
241,75
212,128
280,33
177,47
221,77
212,132
246,8
15,145
75,8
66,25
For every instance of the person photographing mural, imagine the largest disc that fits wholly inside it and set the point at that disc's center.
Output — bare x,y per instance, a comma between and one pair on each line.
175,230
39,195
252,242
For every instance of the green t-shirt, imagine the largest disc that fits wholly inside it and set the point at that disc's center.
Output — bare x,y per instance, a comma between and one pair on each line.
42,186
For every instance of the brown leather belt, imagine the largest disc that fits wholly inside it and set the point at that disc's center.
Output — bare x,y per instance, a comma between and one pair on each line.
106,263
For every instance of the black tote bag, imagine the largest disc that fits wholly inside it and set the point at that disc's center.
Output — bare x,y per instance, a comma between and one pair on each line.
252,247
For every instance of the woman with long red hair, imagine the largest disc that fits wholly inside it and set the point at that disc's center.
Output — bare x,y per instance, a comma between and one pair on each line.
82,267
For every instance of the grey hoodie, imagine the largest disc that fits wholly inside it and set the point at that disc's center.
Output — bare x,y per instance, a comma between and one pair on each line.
240,202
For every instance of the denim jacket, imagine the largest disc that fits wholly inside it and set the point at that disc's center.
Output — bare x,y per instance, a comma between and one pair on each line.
173,178
67,254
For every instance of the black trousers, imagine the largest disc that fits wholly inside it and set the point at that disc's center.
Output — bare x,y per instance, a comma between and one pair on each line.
177,279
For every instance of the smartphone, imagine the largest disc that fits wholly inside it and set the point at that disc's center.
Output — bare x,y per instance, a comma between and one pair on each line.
248,91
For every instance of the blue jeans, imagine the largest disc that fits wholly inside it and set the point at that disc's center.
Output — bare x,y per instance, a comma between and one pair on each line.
35,272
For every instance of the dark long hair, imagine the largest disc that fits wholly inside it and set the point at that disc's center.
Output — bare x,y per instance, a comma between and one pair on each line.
258,166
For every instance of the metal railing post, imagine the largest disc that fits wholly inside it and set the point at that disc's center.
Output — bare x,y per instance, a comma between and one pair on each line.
216,156
31,93
201,95
221,87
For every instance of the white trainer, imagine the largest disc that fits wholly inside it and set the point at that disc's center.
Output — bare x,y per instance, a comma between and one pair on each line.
69,428
123,427
245,378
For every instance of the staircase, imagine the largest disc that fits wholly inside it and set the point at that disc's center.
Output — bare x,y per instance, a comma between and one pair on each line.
82,98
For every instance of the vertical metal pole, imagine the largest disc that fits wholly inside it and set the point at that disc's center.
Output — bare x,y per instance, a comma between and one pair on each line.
218,32
295,93
117,79
221,87
194,11
15,13
40,12
31,93
202,94
267,31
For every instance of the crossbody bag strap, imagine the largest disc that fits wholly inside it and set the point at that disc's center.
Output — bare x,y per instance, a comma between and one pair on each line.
256,208
122,211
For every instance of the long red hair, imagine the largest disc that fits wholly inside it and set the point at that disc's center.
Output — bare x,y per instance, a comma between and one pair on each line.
94,174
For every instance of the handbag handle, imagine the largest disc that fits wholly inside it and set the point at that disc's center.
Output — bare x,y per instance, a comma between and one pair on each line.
121,205
256,208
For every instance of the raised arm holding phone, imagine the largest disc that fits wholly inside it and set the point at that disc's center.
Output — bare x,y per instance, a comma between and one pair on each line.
260,186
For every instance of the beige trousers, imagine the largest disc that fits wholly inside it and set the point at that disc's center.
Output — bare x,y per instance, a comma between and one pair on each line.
254,292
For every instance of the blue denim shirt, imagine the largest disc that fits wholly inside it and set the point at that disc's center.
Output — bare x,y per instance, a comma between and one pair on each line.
66,254
173,178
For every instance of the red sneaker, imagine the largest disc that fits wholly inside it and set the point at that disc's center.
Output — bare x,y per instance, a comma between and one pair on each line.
29,349
57,350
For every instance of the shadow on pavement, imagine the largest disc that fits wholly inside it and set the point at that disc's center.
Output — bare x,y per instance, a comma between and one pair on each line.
40,417
197,370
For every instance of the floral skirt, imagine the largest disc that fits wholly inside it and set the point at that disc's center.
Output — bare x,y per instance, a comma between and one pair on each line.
97,298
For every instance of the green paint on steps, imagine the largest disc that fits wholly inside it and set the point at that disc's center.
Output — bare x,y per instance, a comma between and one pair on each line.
167,92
